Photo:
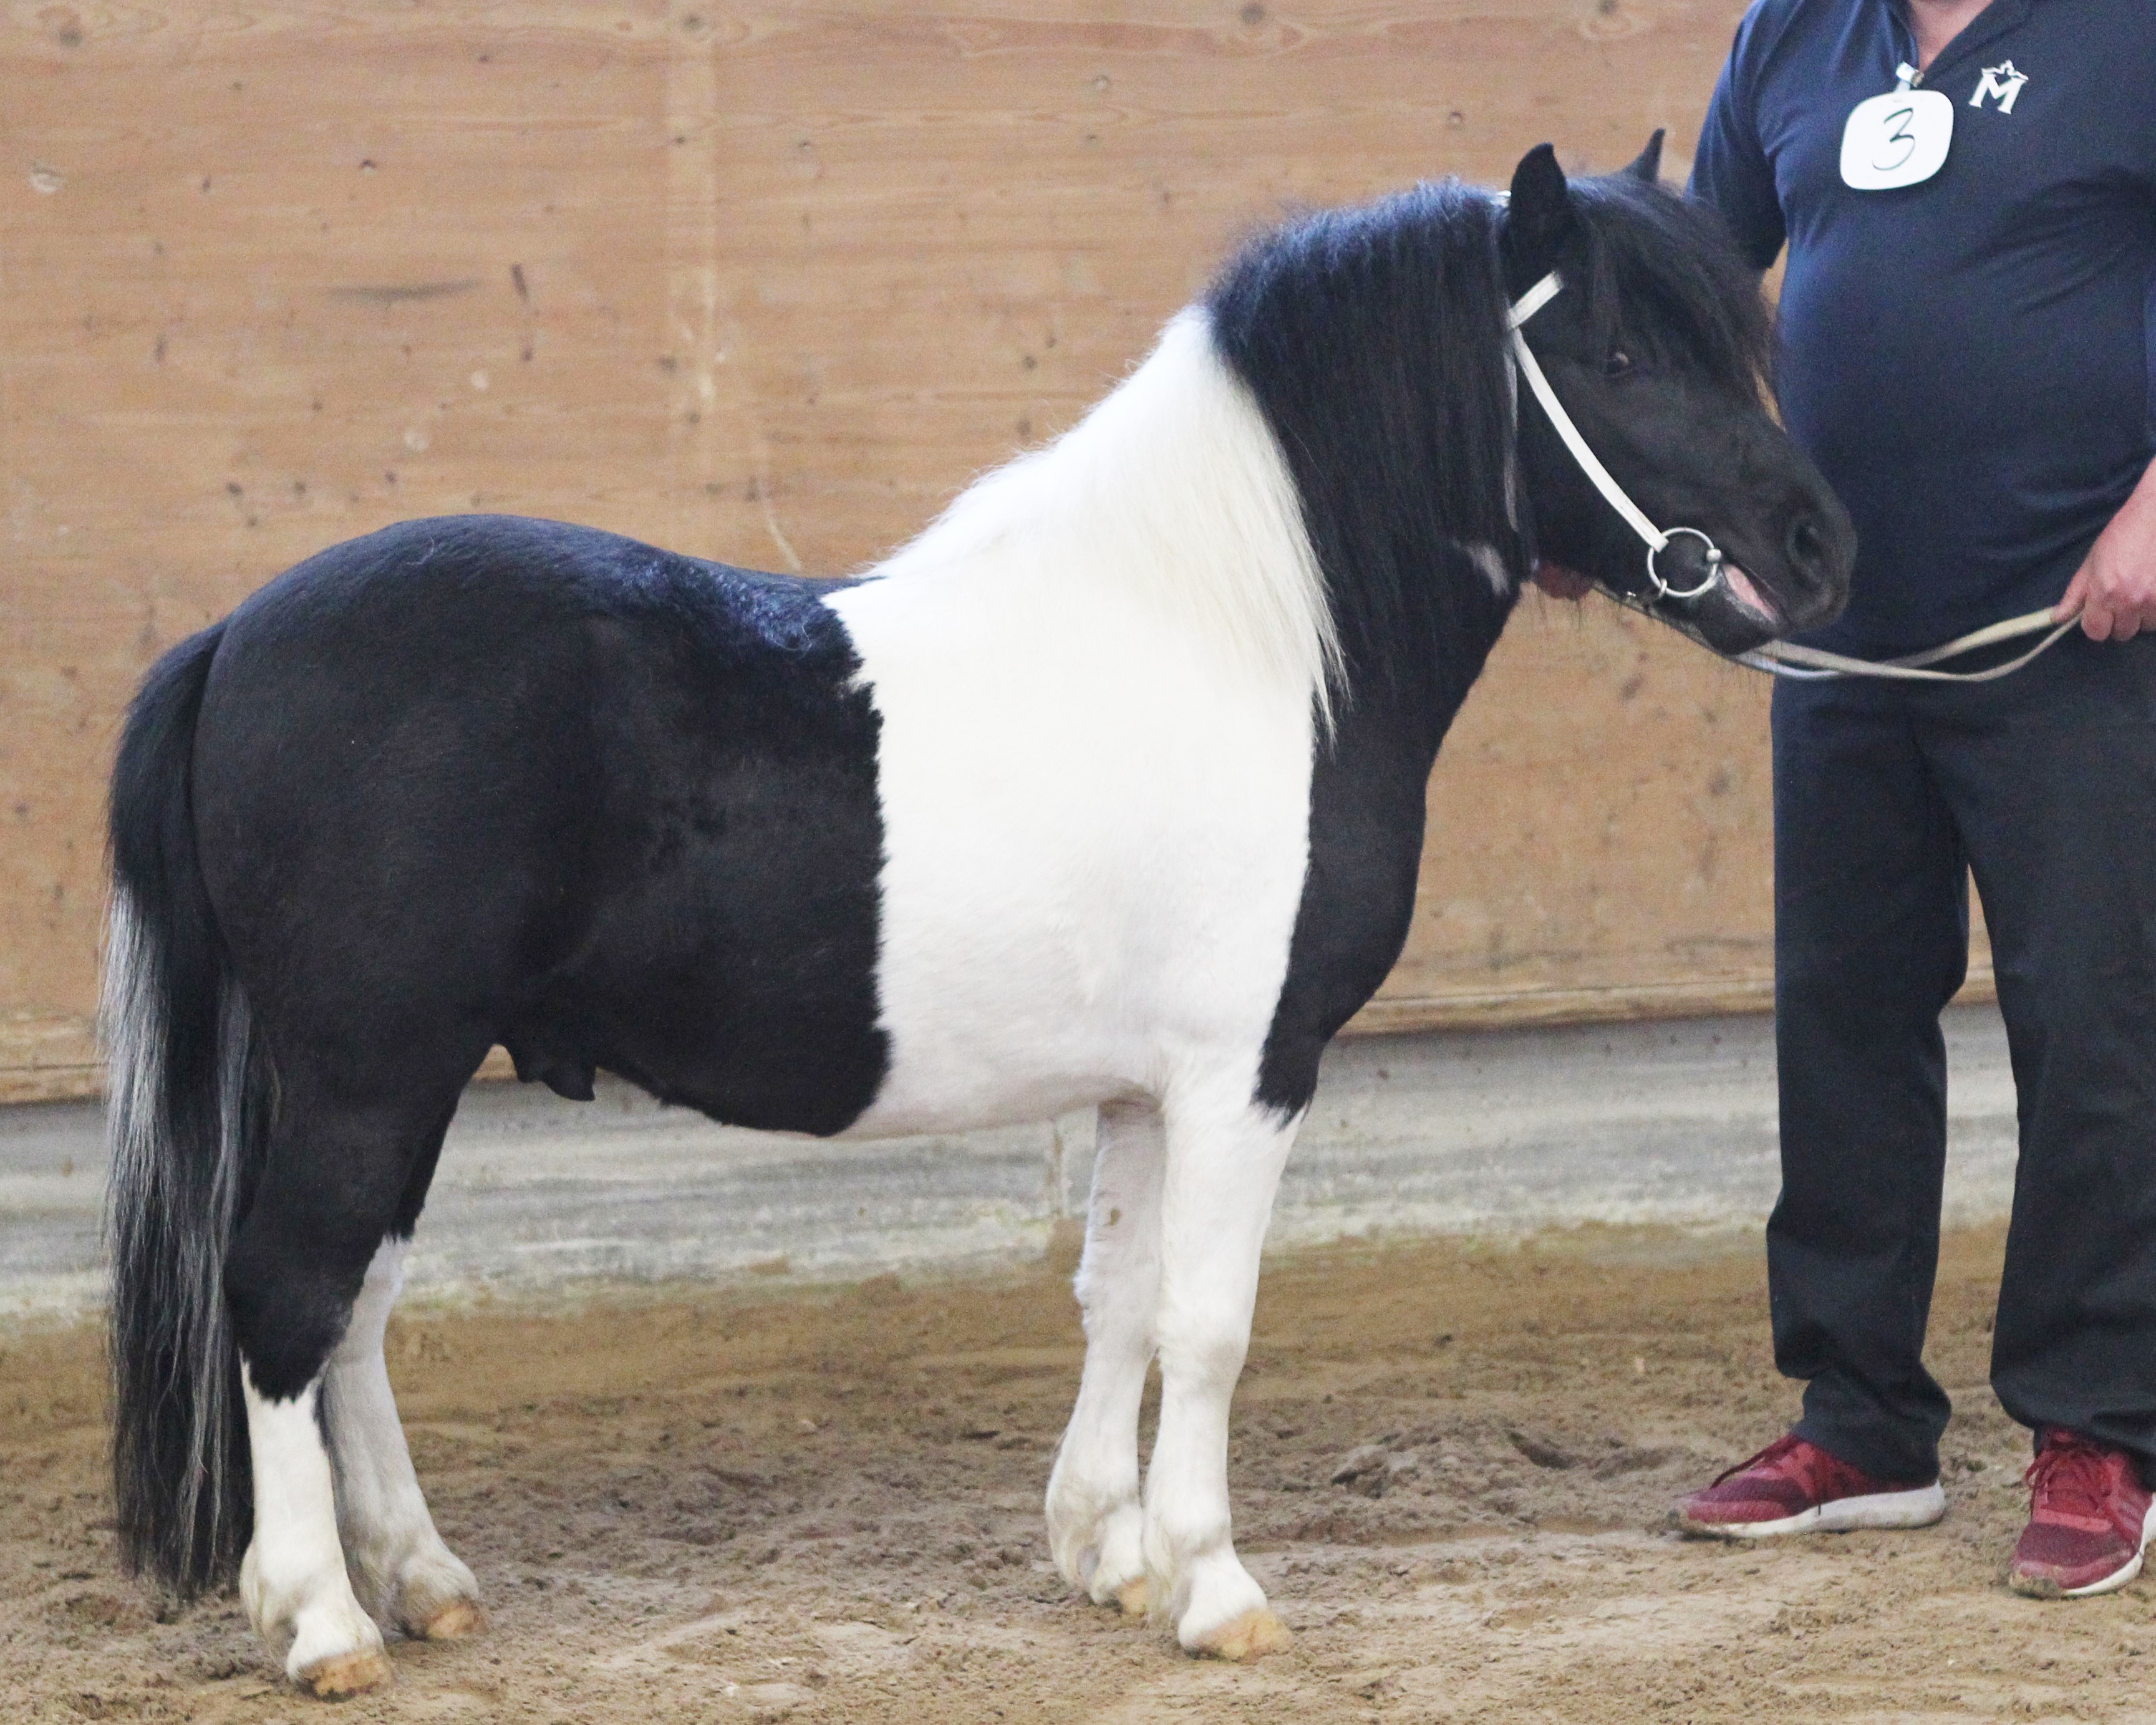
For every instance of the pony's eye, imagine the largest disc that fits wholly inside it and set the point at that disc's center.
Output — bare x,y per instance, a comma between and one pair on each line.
1617,364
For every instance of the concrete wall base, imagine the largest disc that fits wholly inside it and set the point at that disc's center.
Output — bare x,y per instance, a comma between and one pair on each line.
1495,1133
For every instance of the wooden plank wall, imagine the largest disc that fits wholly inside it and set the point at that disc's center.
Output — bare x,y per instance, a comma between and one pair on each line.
766,284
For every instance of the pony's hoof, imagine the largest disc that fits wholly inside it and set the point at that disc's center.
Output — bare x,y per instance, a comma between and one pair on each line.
436,1598
343,1673
453,1622
1252,1635
1135,1597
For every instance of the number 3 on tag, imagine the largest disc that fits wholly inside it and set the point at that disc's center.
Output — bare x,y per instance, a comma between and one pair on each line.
1898,138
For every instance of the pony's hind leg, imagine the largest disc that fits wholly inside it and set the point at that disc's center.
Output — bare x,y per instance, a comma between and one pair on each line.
292,1579
402,1572
1224,1156
1095,1520
330,1190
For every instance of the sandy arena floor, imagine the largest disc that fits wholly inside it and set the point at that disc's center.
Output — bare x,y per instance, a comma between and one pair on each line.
1450,1470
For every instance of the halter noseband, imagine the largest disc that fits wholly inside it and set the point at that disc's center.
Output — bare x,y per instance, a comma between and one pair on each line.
1658,541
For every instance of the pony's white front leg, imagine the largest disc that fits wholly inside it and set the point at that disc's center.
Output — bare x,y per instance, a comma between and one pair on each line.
292,1579
1224,1165
1094,1521
402,1569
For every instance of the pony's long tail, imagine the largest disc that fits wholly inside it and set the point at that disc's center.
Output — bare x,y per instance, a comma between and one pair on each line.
188,1116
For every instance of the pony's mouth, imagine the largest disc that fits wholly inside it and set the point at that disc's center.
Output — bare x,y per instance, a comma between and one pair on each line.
1749,597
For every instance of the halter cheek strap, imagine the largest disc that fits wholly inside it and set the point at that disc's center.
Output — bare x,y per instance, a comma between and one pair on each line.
1657,540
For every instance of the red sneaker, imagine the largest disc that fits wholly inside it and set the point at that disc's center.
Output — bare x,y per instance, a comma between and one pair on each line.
2089,1519
1793,1487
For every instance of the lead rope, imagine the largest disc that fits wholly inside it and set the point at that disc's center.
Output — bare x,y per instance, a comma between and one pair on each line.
1781,659
1786,659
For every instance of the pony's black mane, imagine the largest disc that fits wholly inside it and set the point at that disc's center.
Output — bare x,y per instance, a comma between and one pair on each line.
1663,268
1374,341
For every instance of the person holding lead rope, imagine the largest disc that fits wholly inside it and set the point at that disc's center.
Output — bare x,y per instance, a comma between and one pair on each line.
1967,193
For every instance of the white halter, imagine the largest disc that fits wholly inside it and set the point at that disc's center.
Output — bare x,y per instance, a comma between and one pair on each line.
1525,307
1783,658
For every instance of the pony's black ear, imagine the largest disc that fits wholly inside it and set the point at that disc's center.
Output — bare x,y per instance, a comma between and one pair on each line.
1648,164
1539,216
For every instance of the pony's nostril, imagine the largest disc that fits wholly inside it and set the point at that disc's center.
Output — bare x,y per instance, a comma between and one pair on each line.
1806,545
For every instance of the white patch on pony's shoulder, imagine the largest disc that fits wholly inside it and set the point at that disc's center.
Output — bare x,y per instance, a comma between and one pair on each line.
1097,676
1172,490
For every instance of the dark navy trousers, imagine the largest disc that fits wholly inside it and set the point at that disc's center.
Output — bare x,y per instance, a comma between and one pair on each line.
1887,796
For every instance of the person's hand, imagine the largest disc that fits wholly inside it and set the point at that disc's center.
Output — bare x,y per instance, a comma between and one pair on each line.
1560,583
2115,587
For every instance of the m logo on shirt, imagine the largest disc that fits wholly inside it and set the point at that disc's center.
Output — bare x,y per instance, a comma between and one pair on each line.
2002,84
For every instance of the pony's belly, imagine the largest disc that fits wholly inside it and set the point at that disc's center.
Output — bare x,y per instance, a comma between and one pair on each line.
964,1096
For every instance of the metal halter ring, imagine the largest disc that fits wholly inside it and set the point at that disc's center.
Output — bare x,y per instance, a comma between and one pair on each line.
1662,589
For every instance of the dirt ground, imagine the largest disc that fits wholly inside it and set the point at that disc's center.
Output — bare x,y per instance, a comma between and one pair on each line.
1451,1465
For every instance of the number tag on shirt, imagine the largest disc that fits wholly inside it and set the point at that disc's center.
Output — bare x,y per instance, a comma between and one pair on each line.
1898,138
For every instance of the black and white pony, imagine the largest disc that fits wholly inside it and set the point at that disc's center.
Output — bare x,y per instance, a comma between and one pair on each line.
1107,790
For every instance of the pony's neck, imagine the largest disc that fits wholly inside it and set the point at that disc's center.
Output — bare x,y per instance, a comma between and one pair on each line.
1170,497
1373,341
1173,498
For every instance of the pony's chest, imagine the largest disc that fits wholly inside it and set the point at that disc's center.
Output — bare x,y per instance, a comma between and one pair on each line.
1092,852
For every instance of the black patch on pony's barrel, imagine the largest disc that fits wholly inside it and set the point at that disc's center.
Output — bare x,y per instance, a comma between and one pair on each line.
487,778
1373,340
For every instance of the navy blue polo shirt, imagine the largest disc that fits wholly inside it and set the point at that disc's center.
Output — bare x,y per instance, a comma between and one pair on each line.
1969,360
